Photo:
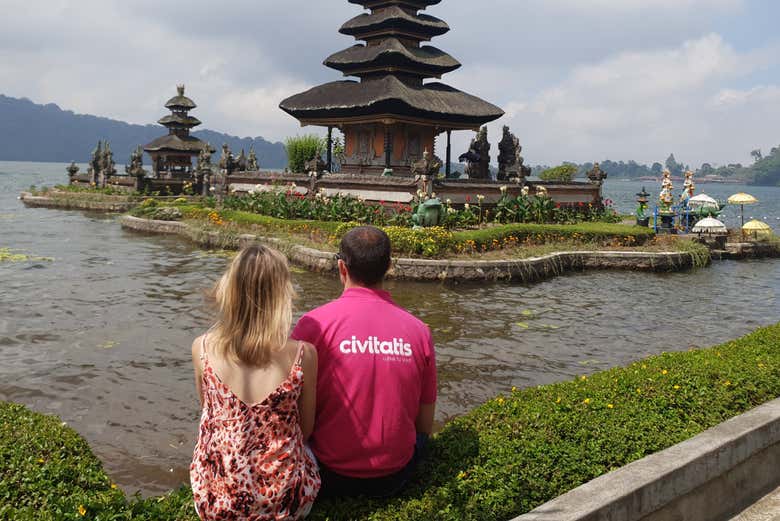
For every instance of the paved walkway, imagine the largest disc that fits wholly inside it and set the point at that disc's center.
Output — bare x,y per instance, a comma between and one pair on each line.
768,509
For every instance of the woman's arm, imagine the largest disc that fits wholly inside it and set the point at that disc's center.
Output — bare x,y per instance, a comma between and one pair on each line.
198,367
307,403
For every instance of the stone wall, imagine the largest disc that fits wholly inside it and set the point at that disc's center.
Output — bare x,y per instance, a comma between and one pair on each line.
710,477
398,189
525,270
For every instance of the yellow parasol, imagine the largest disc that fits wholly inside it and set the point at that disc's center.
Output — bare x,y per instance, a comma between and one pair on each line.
756,228
742,199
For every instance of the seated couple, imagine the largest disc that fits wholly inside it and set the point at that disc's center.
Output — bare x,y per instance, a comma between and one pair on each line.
341,408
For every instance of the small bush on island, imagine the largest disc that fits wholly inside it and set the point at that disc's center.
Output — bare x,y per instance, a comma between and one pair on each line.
501,460
301,149
563,173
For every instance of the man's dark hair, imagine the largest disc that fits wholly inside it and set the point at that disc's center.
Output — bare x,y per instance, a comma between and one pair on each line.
366,252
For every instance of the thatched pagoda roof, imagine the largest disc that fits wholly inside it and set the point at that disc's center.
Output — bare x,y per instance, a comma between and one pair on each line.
390,98
391,54
394,21
392,67
181,101
174,143
414,4
175,119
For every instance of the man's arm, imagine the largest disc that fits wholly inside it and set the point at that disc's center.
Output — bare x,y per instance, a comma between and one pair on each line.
427,411
424,423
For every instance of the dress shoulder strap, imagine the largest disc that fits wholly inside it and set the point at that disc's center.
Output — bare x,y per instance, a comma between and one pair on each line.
203,348
299,358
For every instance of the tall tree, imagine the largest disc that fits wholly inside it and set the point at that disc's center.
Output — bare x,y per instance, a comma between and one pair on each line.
757,155
674,167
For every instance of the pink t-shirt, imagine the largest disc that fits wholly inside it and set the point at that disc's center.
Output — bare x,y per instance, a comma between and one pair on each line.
376,366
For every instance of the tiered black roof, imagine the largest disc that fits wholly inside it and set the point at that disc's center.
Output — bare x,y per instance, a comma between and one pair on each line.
395,21
392,66
179,123
391,55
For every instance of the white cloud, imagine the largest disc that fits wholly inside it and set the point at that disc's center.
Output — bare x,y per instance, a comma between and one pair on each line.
555,66
644,104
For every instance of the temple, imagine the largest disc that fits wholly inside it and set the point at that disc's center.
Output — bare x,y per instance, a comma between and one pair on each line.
172,155
390,117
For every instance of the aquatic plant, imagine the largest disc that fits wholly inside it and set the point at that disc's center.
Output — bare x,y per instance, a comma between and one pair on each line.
9,255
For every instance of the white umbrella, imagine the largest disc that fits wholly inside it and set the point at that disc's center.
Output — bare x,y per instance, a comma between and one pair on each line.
710,225
703,201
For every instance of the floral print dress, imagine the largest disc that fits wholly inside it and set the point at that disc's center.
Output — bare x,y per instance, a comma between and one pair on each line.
250,462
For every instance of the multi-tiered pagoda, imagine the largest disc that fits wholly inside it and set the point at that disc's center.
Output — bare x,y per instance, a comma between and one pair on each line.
391,116
172,154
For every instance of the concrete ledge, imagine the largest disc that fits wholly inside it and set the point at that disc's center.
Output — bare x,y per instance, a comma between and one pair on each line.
523,270
75,203
708,478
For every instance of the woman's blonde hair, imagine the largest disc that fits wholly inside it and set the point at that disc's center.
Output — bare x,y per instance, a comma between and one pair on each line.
254,301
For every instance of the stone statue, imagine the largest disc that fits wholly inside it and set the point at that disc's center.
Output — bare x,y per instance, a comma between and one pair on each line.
522,171
72,170
507,154
252,165
107,165
227,163
204,159
315,165
479,150
242,162
135,167
427,166
95,163
596,175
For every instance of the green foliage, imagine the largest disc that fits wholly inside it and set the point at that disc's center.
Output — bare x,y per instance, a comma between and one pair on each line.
301,149
766,171
563,173
286,203
428,242
497,237
501,460
47,471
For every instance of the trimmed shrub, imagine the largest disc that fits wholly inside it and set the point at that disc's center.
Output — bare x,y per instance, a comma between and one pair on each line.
301,149
497,237
563,173
47,471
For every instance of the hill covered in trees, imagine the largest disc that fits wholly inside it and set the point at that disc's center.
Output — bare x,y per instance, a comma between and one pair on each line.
46,133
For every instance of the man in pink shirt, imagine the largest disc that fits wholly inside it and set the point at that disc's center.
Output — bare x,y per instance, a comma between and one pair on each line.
376,387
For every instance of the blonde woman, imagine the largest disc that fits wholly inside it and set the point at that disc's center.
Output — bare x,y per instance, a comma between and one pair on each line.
257,389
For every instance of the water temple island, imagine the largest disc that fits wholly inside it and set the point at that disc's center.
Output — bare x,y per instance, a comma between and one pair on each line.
599,446
394,121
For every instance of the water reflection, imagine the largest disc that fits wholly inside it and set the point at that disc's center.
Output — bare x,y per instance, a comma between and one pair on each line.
101,336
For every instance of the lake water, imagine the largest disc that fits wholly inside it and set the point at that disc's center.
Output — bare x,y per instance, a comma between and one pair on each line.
101,334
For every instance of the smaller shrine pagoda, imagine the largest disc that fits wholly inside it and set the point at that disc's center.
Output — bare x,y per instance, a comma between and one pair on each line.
172,155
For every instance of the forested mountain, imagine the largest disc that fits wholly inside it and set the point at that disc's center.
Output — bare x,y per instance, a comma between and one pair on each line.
32,132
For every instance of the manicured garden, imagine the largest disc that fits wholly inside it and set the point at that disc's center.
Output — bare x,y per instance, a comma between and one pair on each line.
503,459
515,223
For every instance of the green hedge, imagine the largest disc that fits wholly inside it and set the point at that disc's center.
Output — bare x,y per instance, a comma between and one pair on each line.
601,233
425,242
498,461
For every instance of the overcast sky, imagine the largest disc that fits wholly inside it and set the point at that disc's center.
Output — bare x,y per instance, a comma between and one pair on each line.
580,80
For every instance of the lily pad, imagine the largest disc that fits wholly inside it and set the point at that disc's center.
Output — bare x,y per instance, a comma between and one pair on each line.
523,325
